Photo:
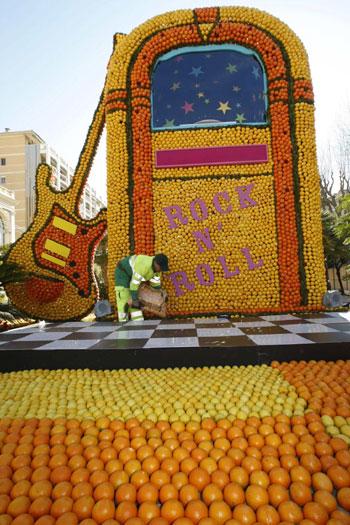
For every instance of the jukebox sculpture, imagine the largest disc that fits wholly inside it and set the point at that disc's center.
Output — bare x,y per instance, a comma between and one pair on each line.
211,159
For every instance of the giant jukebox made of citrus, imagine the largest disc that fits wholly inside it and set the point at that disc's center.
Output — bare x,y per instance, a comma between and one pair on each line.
211,159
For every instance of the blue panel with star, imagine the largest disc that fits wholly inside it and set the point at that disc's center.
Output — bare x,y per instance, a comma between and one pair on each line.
208,86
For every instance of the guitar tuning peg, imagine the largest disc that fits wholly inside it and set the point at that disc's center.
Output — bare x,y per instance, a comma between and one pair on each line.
43,176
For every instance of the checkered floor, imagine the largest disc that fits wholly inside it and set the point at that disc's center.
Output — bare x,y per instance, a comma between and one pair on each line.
212,332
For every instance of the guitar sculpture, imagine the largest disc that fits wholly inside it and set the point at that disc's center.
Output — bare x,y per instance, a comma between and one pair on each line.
57,250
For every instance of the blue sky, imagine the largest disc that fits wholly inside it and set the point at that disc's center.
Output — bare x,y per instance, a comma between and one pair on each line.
54,55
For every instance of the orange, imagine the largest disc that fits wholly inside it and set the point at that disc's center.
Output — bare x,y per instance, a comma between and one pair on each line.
147,492
97,477
104,490
21,488
172,509
61,473
79,475
81,489
199,477
196,510
299,473
268,515
300,493
64,488
61,505
343,497
22,473
4,503
342,516
244,514
125,492
290,511
325,498
148,510
239,475
125,510
315,512
41,506
179,479
168,491
19,505
220,477
321,481
339,476
259,477
280,476
103,510
160,478
277,494
210,493
220,511
188,493
256,496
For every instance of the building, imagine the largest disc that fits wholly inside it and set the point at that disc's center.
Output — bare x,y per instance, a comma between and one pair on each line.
20,154
7,216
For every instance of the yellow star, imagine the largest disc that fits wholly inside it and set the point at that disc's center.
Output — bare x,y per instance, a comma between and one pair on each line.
200,94
223,107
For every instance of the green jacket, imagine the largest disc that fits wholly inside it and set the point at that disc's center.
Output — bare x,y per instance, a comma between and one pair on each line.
136,269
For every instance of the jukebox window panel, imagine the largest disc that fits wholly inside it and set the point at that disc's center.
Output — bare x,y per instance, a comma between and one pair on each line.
208,86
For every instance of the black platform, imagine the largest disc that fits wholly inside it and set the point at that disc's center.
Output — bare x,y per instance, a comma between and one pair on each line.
165,343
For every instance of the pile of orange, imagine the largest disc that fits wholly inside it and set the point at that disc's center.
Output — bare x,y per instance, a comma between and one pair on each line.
325,385
269,471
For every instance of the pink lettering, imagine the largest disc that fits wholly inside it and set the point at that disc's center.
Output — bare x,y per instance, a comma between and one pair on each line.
217,204
210,274
176,215
204,237
251,264
203,208
180,278
244,198
227,273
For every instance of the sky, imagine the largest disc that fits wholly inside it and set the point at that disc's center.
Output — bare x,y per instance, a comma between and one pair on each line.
54,53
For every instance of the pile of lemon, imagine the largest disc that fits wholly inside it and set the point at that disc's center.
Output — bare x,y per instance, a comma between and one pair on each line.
172,394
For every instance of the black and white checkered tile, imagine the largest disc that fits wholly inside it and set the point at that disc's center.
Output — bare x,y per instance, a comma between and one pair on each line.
209,332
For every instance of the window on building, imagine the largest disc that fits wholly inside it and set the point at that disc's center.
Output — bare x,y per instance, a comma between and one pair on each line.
2,232
53,162
3,180
211,86
3,162
63,171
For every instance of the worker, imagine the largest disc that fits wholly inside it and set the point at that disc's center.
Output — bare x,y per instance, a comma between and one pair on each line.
129,274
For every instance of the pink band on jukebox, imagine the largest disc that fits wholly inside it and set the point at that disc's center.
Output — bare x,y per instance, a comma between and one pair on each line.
211,156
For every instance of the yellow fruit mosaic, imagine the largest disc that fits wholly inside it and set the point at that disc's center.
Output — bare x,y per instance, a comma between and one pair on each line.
171,394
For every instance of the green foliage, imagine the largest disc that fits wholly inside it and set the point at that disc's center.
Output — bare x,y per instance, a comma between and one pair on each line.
10,272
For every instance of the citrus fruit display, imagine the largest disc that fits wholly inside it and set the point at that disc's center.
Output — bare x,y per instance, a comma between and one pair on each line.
208,446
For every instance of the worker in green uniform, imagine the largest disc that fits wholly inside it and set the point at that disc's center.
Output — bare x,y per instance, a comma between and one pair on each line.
129,274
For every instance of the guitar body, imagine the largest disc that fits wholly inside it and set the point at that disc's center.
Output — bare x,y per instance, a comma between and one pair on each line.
58,252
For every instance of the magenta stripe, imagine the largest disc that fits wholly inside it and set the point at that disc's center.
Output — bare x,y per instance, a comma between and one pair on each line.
212,156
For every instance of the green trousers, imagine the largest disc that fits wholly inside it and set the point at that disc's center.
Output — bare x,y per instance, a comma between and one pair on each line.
122,295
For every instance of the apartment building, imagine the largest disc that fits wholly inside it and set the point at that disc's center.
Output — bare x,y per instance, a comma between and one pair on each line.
20,154
7,216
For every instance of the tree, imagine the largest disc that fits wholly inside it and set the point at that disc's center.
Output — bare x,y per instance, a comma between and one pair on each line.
334,167
336,252
343,227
